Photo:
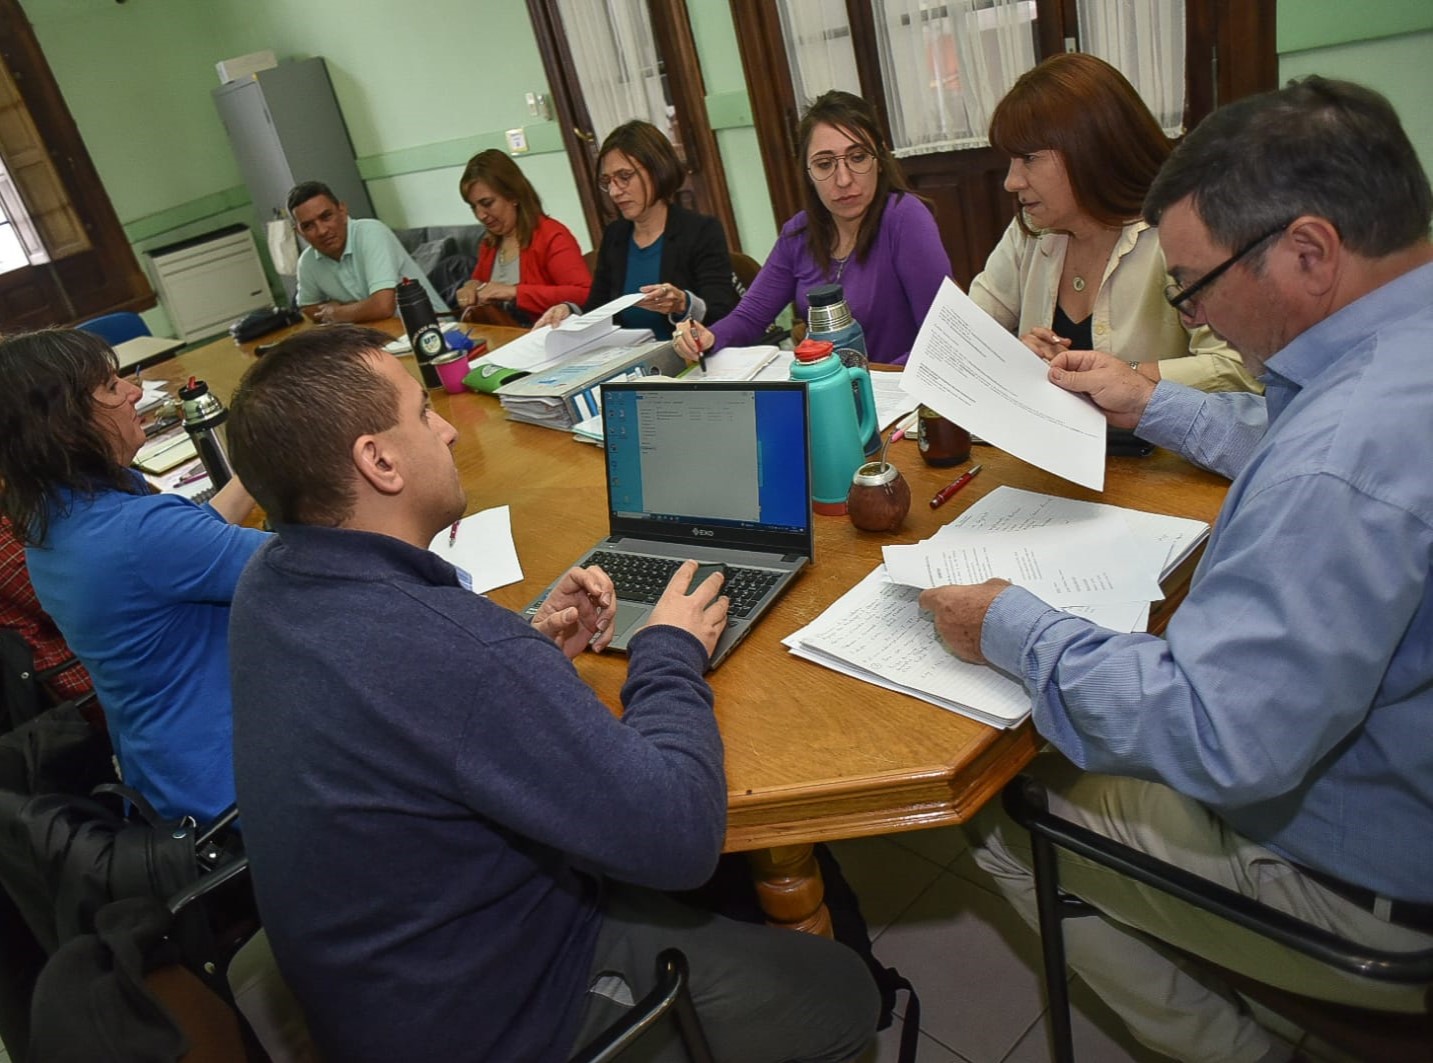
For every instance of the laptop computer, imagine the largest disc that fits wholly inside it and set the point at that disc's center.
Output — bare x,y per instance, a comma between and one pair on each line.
716,472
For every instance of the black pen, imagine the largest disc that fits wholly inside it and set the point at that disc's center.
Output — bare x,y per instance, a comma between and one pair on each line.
701,354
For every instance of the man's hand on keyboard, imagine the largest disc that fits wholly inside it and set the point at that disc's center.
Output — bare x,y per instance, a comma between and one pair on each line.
691,612
579,611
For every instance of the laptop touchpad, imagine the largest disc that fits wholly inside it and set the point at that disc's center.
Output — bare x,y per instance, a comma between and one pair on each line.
630,617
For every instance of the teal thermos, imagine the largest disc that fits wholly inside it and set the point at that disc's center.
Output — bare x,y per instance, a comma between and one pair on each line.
842,414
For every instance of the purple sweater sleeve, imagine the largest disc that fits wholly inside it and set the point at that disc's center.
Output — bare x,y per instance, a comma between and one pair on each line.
771,291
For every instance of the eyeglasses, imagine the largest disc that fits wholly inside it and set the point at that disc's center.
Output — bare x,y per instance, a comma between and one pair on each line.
620,178
857,160
1183,299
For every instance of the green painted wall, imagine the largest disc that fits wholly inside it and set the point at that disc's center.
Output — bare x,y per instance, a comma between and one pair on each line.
422,85
1306,24
1387,45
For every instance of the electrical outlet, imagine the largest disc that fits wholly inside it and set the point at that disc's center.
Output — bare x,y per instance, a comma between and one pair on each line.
517,141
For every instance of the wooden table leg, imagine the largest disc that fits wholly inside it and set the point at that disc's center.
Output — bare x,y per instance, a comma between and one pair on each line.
789,886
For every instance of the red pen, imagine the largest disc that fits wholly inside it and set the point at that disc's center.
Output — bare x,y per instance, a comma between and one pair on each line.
944,494
453,532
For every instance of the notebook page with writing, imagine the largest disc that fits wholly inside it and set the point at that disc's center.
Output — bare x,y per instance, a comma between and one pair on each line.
878,627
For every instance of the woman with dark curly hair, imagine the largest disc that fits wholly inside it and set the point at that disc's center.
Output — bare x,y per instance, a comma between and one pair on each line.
863,228
677,259
139,583
1079,266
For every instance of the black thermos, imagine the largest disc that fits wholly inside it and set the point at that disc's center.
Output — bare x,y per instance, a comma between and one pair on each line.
203,416
421,323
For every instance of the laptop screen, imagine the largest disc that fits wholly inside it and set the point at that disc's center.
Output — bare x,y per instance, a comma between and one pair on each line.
727,463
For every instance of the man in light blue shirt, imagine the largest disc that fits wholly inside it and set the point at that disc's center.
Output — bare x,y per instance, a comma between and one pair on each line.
352,267
1277,739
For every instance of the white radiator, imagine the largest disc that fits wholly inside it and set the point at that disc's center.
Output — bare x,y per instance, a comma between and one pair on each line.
207,282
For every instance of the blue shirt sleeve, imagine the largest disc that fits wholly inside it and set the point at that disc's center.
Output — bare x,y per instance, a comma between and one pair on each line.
190,553
1274,657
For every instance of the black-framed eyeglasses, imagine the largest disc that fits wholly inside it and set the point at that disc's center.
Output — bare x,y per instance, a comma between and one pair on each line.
1182,298
857,160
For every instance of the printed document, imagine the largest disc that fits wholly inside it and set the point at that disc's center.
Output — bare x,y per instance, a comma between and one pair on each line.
877,632
1091,563
971,371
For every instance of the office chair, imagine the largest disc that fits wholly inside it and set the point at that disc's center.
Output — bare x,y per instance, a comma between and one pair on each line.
744,269
23,693
148,997
116,328
671,994
1386,1036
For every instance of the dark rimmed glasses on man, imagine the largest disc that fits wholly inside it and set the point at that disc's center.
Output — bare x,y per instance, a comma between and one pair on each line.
857,160
1183,299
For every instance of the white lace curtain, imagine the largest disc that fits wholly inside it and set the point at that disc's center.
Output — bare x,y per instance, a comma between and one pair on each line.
945,64
616,62
818,48
1144,39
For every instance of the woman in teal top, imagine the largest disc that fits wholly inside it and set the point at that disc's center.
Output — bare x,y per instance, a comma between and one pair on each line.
678,259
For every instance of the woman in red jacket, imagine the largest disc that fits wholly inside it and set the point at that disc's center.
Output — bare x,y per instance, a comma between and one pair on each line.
527,261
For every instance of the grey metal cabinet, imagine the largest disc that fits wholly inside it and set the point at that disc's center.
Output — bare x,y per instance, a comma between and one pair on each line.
285,127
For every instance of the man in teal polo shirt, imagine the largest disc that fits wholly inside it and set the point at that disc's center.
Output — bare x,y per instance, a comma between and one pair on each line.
351,269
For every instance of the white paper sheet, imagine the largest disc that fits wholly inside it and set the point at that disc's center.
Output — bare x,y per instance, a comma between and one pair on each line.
877,628
892,400
601,315
734,363
1010,509
1091,563
971,371
483,548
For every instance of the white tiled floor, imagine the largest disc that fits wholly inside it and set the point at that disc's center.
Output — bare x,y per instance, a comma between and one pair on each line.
974,963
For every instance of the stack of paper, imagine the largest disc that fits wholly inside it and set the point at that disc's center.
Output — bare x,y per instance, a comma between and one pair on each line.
552,344
1097,561
562,395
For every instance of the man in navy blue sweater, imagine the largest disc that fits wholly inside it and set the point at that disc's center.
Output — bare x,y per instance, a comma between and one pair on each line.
455,845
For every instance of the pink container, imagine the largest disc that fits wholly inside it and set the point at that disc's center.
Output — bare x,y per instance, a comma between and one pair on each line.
452,367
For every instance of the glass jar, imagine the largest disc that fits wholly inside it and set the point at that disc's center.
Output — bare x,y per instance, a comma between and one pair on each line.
941,442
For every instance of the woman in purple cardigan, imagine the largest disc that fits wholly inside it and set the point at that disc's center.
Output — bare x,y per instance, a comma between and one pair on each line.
863,228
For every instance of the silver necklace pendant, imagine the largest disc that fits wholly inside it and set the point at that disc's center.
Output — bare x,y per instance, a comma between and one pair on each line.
1078,283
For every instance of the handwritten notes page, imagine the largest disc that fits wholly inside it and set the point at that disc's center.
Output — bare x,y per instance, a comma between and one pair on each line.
877,632
971,371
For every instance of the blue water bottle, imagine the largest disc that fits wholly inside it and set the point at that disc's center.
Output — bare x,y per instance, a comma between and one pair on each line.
842,414
829,318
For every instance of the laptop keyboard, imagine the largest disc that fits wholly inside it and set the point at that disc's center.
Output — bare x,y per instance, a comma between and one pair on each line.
641,578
